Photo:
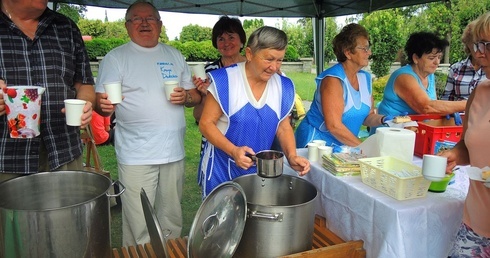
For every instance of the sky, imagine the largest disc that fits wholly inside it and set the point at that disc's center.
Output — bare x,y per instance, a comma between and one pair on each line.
174,22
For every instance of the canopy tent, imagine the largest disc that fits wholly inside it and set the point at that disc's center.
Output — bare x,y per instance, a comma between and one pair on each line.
316,9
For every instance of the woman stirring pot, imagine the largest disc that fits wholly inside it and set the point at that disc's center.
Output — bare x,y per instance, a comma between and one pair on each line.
244,119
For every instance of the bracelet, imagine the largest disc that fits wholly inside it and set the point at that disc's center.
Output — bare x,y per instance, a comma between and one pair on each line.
383,120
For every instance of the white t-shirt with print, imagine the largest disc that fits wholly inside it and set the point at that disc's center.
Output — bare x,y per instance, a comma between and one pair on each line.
150,130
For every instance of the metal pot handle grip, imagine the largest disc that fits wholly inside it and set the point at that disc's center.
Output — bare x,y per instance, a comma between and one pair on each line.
257,214
209,225
252,157
122,188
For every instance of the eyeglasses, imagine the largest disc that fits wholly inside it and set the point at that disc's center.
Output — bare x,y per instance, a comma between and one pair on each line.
366,49
481,47
139,20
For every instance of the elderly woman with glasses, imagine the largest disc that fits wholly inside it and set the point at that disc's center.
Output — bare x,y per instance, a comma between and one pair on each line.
412,88
244,119
343,97
473,239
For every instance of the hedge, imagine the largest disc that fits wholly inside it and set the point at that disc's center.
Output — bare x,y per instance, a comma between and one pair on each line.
192,51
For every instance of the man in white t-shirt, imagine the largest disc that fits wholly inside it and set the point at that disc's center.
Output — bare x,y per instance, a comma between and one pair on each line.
149,139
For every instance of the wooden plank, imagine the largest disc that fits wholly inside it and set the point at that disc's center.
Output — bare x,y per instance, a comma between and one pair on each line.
125,253
348,249
326,237
115,253
177,248
149,250
141,251
325,245
133,253
320,221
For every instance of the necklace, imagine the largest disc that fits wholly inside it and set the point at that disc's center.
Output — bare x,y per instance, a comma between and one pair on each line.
6,12
27,30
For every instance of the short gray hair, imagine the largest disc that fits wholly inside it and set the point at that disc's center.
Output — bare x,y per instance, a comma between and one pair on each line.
156,13
267,38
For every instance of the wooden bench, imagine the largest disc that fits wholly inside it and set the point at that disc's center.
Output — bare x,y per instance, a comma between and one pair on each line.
325,245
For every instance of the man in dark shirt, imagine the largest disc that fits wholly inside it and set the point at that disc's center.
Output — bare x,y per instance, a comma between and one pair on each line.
43,48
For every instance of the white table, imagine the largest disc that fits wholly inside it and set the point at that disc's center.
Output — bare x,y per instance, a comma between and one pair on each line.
417,228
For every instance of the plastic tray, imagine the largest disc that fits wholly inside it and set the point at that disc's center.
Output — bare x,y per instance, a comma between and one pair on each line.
377,173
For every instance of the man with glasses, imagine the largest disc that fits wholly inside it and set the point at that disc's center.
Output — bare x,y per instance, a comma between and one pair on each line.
149,139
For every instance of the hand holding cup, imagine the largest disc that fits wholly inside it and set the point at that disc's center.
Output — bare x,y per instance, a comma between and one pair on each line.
434,167
114,92
199,72
74,111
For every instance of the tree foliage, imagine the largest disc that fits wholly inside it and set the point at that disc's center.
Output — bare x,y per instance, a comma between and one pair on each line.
331,30
252,24
195,33
385,33
109,30
72,11
389,30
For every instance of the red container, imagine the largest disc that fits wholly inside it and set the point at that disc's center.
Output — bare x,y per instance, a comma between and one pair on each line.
434,128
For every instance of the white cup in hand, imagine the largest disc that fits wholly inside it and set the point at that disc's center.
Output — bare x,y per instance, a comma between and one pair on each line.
169,87
74,111
114,92
199,71
434,167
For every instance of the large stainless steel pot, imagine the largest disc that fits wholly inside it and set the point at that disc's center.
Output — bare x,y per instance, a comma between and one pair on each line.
280,216
56,214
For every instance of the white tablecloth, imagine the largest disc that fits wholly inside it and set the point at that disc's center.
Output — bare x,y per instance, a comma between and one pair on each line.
417,228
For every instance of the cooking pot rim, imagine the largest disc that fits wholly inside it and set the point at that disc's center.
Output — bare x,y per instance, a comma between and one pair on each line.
23,178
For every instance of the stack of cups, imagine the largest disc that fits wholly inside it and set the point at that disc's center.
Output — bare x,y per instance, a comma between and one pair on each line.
317,149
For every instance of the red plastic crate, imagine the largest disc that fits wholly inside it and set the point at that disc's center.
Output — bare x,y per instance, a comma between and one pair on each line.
434,128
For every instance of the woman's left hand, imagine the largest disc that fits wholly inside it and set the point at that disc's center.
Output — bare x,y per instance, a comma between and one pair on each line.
201,85
300,164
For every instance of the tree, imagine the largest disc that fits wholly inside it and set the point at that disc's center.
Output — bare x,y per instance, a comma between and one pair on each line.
253,24
72,11
385,33
330,31
463,12
195,33
94,28
115,29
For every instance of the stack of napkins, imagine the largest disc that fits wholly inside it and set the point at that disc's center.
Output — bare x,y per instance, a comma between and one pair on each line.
343,164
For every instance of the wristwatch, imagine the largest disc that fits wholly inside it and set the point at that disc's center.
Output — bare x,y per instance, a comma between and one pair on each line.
188,98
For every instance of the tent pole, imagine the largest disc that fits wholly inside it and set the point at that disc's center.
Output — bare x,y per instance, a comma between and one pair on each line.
319,42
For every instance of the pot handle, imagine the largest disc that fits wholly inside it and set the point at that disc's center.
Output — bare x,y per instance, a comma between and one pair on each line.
122,188
257,214
252,157
209,225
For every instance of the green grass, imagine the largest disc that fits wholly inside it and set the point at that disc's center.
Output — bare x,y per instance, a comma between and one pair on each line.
191,199
304,83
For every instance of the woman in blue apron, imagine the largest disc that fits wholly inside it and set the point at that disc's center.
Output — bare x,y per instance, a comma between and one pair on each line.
249,103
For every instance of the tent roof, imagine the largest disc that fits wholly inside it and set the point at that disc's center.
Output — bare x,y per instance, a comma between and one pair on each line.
261,8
